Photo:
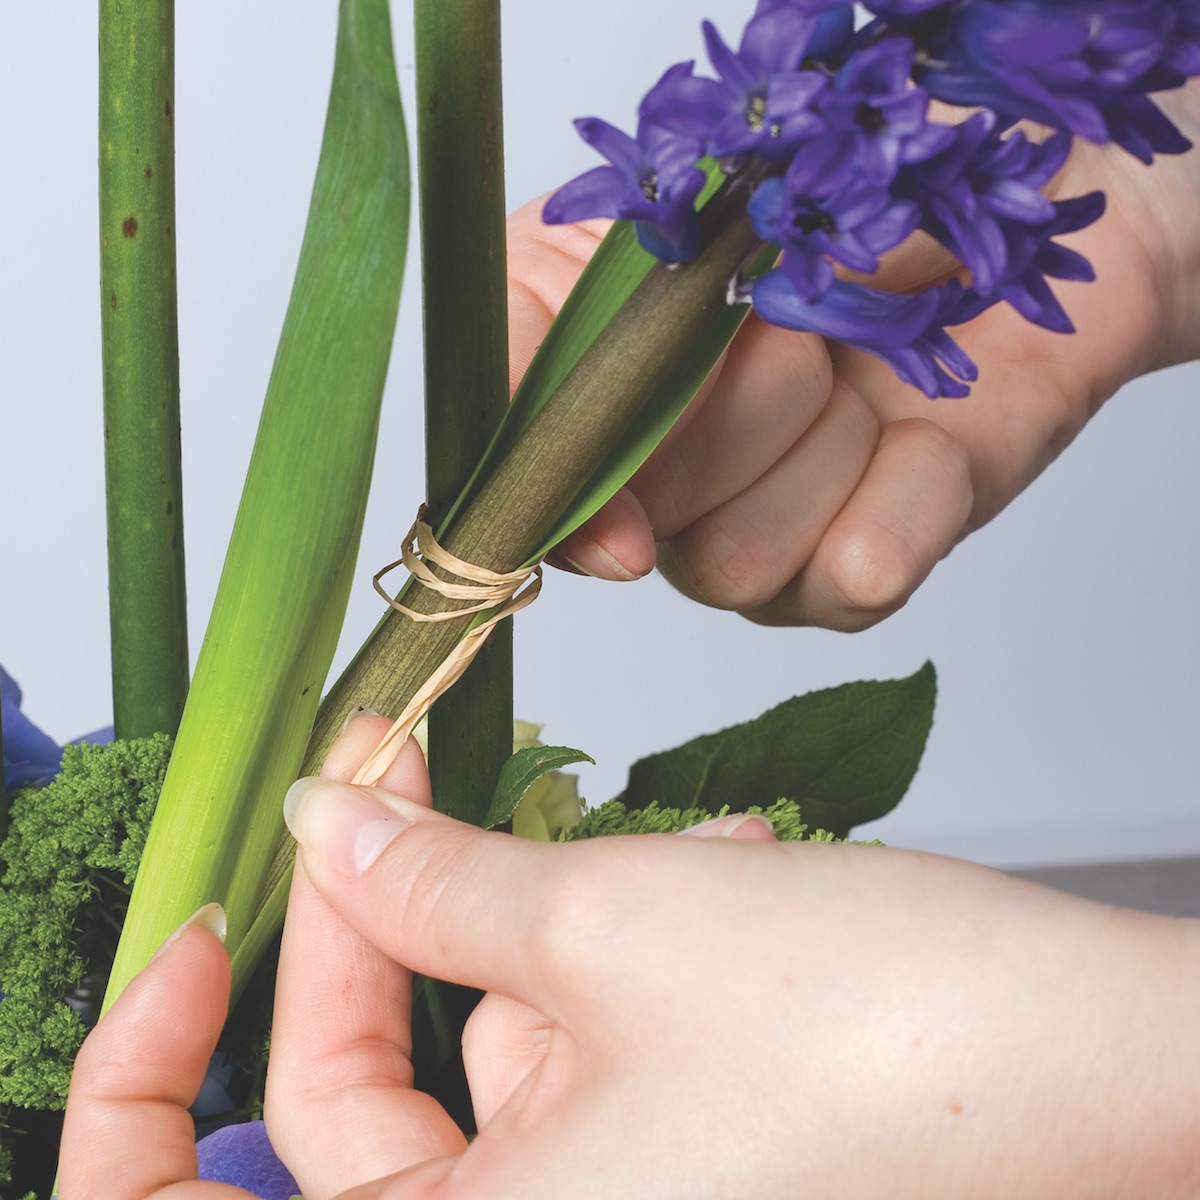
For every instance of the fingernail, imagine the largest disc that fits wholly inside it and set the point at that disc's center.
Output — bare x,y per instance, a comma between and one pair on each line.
349,827
360,710
739,827
209,916
590,559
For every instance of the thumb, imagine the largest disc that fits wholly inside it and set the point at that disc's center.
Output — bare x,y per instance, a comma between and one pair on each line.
737,827
440,897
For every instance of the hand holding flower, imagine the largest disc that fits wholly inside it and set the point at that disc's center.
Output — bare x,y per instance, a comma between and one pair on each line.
807,485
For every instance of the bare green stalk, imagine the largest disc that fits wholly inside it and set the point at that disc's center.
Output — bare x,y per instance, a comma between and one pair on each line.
147,604
460,148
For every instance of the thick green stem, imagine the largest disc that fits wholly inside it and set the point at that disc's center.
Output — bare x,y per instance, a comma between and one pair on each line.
147,604
572,435
508,520
461,176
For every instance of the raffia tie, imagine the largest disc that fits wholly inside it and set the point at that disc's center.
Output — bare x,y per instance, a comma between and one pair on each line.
505,591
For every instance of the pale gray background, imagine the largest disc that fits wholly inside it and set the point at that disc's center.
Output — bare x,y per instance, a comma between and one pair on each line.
1064,634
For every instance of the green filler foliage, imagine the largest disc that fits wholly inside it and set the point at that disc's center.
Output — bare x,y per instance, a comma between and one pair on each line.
68,861
71,854
614,819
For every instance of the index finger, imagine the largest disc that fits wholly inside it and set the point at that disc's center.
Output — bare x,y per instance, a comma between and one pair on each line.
128,1132
340,1102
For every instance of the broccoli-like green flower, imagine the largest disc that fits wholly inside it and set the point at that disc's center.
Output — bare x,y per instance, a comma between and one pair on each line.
69,859
613,818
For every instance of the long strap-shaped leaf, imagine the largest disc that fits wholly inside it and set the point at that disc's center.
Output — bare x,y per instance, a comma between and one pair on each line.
283,591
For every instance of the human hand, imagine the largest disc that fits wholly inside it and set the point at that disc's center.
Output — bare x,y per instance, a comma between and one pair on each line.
808,485
679,1016
669,1017
128,1134
342,1025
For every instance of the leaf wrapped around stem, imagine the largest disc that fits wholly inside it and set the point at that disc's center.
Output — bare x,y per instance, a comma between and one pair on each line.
627,354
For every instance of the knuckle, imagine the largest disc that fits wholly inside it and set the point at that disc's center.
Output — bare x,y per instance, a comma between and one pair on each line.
871,577
724,566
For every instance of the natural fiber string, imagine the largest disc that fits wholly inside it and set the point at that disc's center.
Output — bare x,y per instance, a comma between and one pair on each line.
487,588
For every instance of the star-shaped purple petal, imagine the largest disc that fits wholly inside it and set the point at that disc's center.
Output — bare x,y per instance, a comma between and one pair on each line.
653,181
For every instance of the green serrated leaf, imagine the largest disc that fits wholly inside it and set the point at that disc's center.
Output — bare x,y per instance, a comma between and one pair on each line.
521,772
846,755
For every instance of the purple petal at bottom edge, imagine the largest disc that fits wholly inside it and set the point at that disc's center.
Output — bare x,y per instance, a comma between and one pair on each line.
242,1155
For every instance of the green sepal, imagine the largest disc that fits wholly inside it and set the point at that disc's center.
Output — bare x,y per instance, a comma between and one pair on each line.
846,755
521,772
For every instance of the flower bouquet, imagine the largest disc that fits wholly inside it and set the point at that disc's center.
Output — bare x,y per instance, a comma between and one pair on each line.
768,187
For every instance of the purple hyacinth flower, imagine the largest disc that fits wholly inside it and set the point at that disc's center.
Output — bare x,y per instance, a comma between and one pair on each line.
1181,52
905,331
833,32
874,122
653,181
762,103
30,756
1034,255
981,189
899,10
810,8
1139,126
853,226
1059,64
243,1156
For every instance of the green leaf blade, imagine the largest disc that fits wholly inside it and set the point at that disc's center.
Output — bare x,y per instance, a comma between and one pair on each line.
846,755
287,574
521,772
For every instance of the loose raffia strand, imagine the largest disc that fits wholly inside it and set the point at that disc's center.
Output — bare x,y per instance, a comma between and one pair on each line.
503,591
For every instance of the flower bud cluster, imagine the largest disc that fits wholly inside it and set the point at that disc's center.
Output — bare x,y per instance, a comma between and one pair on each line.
839,118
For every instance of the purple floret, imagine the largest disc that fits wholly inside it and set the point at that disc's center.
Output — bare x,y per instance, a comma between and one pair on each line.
874,120
907,332
653,181
31,756
1086,68
243,1156
1034,256
762,101
980,192
853,226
